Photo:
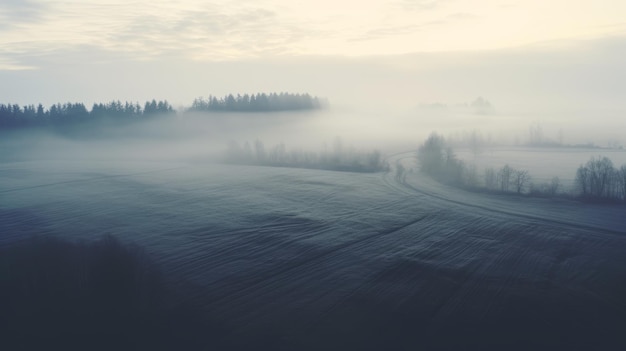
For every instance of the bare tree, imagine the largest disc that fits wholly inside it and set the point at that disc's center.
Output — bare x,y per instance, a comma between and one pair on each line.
598,178
504,177
520,179
601,171
582,181
431,155
621,179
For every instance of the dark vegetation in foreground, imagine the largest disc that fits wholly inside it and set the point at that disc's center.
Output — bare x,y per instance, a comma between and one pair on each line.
14,116
339,159
56,294
597,180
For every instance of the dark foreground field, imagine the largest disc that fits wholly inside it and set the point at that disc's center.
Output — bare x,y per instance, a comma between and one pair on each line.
238,257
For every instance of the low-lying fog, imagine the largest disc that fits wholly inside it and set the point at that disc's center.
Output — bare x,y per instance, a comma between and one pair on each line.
565,93
313,259
554,94
197,136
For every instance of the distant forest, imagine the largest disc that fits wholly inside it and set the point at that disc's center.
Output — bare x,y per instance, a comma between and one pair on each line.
14,116
59,115
257,103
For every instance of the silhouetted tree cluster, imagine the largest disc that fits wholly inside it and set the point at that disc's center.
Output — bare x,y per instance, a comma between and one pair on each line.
279,156
596,180
599,179
257,103
508,179
14,116
438,160
537,138
481,106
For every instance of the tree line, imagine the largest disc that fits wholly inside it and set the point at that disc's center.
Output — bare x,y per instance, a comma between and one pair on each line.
597,180
15,116
257,103
339,159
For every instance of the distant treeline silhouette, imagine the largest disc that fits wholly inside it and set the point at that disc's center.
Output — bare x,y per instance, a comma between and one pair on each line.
597,180
15,116
339,159
257,103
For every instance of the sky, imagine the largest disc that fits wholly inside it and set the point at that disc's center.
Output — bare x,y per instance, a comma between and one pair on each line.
402,52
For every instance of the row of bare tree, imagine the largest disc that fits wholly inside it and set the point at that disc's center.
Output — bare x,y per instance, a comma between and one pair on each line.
437,159
507,179
279,155
599,179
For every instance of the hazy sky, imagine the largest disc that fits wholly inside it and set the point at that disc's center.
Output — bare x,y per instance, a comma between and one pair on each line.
413,50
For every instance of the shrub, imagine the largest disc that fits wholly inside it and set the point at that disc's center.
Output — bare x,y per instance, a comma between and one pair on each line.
430,155
438,160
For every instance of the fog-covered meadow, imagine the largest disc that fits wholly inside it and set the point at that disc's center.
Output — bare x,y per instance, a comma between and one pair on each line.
279,175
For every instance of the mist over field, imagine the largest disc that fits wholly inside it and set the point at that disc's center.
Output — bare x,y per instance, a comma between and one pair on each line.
398,175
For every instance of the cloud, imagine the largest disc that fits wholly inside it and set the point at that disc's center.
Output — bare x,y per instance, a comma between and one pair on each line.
251,33
383,32
197,30
16,12
392,31
245,29
422,5
588,72
462,16
9,65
